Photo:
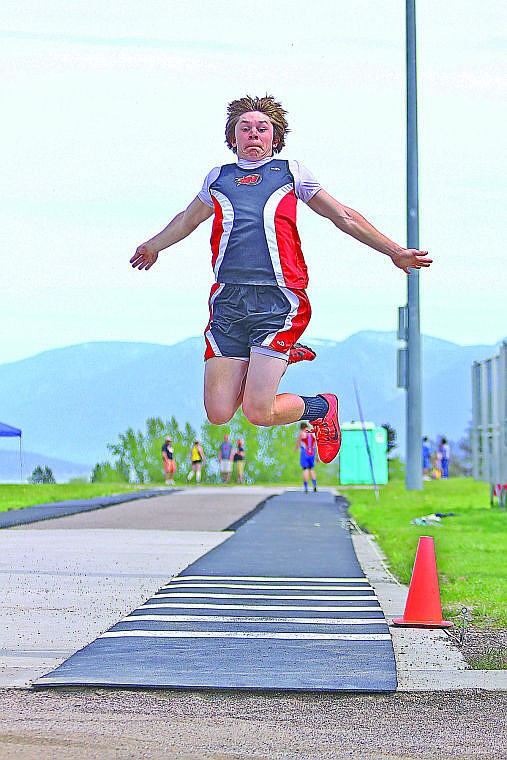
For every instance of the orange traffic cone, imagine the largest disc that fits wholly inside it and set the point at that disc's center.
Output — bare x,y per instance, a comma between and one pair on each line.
423,608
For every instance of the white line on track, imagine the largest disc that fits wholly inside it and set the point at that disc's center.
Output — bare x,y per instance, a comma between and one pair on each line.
240,619
255,587
275,597
246,635
263,607
266,578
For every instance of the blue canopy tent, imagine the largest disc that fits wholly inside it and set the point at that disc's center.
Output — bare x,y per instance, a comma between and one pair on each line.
7,431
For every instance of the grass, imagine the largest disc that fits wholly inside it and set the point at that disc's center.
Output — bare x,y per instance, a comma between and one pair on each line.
18,496
470,547
490,659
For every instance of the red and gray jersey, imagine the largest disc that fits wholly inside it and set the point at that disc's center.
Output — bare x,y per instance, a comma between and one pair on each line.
254,240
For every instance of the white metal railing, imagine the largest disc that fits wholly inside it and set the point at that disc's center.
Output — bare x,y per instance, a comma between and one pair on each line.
489,418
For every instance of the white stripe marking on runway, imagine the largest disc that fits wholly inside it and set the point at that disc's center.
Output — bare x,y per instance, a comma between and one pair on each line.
267,578
275,597
263,607
252,619
246,635
255,587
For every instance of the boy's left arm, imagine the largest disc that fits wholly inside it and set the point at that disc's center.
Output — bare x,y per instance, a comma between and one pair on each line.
351,222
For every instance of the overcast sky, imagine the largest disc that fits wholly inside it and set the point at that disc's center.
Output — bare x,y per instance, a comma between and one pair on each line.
113,114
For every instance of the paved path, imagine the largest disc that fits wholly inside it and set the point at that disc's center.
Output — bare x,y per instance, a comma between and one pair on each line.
192,509
57,509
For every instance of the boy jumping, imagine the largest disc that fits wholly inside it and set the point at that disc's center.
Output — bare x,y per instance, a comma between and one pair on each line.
258,304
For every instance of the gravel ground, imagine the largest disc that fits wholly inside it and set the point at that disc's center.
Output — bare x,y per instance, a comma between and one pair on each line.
103,724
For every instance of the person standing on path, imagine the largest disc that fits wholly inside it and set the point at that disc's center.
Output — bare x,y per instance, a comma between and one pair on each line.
445,455
306,444
258,305
426,458
168,462
197,460
225,455
239,461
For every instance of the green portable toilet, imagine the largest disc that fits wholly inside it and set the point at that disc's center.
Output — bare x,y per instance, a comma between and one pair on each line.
355,466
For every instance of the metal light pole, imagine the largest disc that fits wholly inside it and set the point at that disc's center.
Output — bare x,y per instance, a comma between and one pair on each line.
413,474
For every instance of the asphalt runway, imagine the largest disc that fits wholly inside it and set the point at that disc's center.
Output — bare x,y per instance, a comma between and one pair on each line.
282,604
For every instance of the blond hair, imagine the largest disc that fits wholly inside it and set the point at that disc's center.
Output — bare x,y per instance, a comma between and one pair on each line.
266,105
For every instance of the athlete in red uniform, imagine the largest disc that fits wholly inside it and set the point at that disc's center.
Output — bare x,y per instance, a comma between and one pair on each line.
258,305
307,452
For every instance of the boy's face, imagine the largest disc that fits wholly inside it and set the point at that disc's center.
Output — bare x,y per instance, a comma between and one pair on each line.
253,136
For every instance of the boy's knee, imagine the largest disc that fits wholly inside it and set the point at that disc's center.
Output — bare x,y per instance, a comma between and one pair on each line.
257,415
218,416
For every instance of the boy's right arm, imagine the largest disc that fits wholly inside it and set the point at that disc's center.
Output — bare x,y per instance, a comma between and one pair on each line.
178,228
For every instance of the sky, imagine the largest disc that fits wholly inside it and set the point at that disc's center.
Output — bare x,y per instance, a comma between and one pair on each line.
114,113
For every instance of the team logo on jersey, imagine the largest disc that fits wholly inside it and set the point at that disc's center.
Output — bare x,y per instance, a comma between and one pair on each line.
250,179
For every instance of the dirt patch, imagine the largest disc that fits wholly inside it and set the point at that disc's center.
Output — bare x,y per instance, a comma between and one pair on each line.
483,647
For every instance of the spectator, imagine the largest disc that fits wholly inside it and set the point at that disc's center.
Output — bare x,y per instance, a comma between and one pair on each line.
197,459
445,455
225,454
306,444
168,461
239,461
426,458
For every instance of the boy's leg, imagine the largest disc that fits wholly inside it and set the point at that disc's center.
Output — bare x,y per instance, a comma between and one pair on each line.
261,404
229,382
223,388
254,384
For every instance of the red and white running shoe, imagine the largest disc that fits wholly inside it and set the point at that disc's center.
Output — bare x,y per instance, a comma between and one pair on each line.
300,353
327,430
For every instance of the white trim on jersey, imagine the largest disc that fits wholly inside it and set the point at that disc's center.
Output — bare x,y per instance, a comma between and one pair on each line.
227,223
305,184
270,231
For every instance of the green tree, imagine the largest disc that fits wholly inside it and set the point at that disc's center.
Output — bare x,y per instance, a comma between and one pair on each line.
391,437
105,472
461,456
140,452
270,454
42,475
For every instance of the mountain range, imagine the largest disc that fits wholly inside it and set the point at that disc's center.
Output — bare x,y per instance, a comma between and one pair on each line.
71,402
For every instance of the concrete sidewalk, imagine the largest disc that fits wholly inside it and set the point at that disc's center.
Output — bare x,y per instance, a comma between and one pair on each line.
66,581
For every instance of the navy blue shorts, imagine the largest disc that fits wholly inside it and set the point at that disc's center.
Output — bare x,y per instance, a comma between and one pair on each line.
264,318
307,461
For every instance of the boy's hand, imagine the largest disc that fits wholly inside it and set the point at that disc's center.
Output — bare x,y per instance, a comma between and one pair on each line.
145,256
409,257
